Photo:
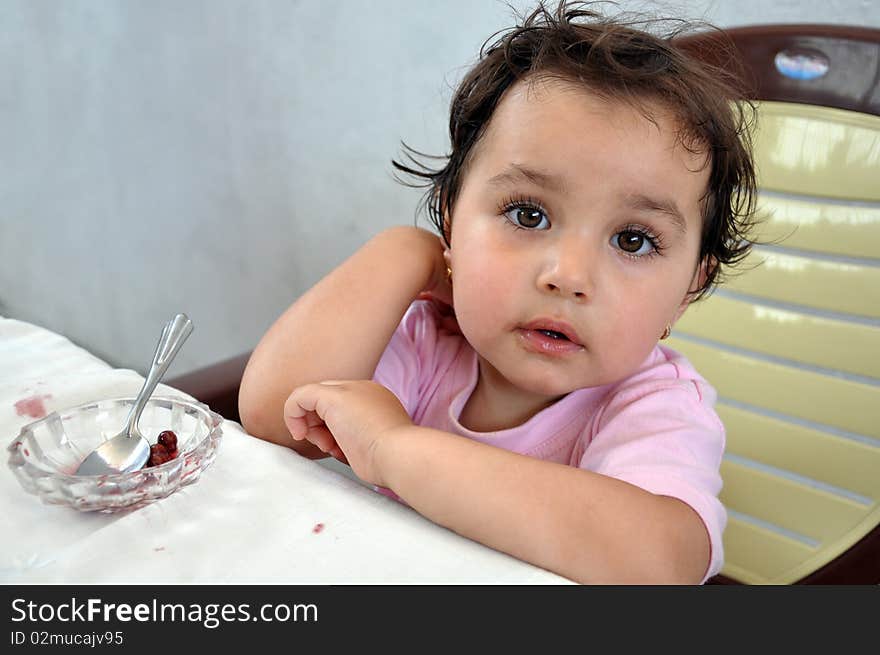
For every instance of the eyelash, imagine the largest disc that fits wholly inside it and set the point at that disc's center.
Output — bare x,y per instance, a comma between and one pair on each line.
520,202
528,203
657,246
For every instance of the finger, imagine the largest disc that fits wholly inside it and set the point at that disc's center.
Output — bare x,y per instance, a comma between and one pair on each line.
292,406
450,324
338,454
298,427
323,439
312,419
442,295
305,399
442,303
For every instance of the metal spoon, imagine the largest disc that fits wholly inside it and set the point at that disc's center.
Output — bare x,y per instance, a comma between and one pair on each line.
129,450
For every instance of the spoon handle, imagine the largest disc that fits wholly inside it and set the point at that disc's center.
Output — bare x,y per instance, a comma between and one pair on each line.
174,334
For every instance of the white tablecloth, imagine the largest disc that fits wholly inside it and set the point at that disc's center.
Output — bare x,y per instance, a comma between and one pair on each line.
250,518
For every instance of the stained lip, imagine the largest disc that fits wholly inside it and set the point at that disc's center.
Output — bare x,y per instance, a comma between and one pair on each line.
556,326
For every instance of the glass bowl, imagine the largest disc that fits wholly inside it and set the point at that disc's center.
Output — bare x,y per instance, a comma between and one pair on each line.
47,452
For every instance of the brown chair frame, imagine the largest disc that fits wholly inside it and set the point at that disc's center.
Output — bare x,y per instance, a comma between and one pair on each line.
853,53
216,385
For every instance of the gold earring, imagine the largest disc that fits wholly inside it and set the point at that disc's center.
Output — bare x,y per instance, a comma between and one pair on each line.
666,332
449,275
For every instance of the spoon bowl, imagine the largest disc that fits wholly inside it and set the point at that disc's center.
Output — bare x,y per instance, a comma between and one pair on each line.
123,453
129,450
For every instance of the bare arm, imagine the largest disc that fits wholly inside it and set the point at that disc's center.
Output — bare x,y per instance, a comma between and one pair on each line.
338,329
588,527
585,526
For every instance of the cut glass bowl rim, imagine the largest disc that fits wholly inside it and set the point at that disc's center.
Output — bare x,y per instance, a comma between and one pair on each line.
145,485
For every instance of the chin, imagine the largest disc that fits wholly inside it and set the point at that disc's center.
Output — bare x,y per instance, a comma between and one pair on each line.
549,383
550,378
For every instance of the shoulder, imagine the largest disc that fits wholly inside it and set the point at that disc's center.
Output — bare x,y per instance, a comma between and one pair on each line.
659,431
419,355
665,376
422,333
666,398
424,321
420,316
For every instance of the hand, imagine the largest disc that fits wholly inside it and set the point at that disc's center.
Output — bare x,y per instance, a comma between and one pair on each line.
346,419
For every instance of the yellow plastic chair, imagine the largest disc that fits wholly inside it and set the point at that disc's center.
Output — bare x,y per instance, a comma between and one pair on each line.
793,344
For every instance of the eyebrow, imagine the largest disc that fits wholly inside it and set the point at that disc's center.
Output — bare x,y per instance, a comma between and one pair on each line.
667,206
516,173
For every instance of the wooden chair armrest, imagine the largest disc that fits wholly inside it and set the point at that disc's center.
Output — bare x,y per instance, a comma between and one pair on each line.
215,385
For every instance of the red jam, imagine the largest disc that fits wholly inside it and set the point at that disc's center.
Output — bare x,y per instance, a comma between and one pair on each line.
164,450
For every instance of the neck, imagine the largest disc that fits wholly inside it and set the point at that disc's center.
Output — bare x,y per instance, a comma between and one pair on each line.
496,404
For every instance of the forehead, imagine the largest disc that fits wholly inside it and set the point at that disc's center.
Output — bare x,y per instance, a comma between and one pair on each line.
580,137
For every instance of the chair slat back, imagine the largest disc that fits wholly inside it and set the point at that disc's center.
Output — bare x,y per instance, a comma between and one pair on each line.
792,344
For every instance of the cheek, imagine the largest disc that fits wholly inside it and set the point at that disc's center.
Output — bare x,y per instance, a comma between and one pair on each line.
639,313
480,283
476,288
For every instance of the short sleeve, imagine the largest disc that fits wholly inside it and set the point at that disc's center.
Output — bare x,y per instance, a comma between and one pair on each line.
410,359
668,440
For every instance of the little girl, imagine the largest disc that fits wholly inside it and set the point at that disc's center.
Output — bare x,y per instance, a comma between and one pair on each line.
598,179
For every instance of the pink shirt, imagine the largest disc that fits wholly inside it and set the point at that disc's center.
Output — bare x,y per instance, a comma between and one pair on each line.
656,429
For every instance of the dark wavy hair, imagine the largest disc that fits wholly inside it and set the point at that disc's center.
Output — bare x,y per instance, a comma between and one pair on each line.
617,59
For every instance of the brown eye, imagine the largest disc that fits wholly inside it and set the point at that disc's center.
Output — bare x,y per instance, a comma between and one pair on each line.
530,218
630,241
635,243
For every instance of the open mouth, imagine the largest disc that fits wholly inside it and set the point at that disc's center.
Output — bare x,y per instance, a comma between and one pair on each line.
550,337
554,334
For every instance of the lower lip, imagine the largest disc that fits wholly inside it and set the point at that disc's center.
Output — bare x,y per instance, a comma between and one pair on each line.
540,343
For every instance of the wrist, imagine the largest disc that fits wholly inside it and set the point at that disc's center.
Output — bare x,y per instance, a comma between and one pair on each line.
384,453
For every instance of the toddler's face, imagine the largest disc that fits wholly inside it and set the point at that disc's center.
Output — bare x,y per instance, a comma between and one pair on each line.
579,216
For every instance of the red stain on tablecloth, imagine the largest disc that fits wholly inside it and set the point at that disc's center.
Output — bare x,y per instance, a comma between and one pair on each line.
318,527
32,406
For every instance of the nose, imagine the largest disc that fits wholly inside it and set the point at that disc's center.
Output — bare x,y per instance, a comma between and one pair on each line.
567,272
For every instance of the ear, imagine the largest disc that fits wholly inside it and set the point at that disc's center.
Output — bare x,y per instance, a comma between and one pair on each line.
447,230
700,276
447,241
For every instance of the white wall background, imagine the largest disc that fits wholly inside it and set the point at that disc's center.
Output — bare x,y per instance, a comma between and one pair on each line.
217,157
